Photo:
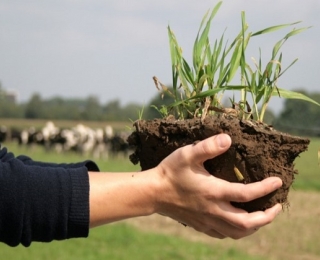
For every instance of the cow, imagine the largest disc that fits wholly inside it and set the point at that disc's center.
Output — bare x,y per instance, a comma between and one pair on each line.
3,133
119,144
84,140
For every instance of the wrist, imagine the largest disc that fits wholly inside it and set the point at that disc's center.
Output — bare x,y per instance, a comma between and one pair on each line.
164,193
118,196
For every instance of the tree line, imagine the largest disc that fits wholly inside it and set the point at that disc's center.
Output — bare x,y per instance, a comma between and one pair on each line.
297,117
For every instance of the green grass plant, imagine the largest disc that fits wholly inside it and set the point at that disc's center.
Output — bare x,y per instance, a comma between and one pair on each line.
199,88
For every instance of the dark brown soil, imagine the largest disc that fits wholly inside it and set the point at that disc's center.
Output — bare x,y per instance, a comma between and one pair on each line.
257,150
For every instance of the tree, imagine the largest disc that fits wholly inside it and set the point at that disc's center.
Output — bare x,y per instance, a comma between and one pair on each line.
300,117
132,111
112,110
34,108
10,109
92,109
2,92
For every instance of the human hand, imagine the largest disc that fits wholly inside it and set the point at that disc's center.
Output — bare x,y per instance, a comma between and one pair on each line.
190,195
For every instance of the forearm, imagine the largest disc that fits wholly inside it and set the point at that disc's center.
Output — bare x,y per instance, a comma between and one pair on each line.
117,196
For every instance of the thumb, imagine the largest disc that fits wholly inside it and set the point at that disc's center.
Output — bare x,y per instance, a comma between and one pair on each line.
210,147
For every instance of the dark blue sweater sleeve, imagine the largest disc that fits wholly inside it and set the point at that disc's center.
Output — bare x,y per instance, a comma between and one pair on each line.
42,201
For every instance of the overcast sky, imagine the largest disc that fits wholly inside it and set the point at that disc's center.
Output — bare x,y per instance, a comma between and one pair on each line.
112,48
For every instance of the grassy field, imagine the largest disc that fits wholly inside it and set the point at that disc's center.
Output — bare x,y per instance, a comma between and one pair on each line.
121,242
308,167
293,235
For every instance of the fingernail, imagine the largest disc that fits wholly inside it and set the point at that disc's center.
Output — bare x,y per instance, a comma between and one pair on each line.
223,140
277,183
279,209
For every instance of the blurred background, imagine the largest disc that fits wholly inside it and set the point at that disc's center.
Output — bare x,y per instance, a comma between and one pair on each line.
87,67
112,49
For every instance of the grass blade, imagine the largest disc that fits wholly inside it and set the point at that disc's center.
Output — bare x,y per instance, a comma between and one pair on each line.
274,28
294,95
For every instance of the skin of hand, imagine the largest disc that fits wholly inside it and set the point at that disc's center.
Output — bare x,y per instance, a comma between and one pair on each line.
180,188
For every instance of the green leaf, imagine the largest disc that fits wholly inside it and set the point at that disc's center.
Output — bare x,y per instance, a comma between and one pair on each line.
279,44
277,47
274,28
214,91
283,71
215,55
296,31
294,95
201,40
235,61
187,71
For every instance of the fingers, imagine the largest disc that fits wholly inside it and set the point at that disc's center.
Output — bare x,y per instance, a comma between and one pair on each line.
215,234
232,233
244,223
246,192
237,223
209,148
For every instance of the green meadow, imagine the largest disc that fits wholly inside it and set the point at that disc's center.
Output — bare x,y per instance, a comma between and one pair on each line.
122,241
308,166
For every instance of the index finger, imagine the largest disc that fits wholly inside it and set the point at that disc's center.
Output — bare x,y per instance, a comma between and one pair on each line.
207,148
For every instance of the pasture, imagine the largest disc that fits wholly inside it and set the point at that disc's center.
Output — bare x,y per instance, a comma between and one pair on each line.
293,235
